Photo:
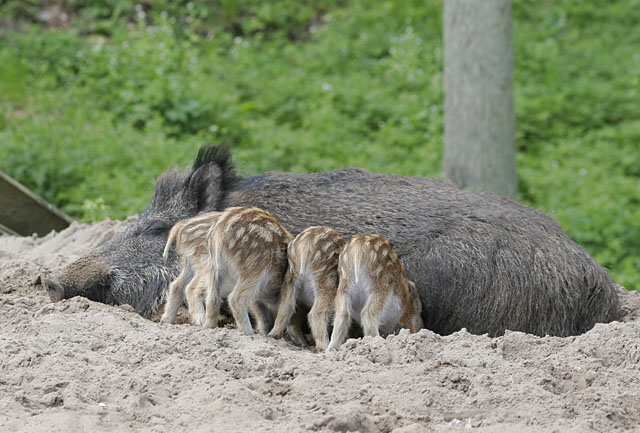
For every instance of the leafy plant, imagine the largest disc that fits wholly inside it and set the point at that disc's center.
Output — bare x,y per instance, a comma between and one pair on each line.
101,96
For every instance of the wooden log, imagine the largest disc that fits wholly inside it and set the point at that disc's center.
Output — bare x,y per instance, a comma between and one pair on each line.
24,213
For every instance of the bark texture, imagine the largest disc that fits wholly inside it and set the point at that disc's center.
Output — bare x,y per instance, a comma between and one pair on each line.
479,151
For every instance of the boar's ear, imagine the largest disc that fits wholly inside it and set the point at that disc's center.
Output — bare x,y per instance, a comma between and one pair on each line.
212,175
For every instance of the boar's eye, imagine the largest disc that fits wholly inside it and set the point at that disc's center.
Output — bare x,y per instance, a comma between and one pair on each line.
155,228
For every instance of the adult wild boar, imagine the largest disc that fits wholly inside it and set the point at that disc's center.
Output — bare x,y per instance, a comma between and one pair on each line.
479,261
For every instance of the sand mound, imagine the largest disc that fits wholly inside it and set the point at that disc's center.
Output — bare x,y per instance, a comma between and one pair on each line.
82,366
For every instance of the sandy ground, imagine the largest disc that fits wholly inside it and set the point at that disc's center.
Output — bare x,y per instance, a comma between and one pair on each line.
83,366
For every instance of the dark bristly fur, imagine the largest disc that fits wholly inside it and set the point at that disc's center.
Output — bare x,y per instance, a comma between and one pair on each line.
478,261
129,269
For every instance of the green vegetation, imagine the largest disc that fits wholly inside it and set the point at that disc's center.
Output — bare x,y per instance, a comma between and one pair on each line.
99,97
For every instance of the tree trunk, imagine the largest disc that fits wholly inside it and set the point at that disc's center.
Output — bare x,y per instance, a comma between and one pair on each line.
479,150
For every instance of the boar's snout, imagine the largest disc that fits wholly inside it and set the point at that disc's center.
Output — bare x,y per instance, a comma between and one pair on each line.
53,287
89,276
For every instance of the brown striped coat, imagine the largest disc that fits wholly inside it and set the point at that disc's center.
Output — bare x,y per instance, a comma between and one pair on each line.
247,253
311,282
189,236
373,290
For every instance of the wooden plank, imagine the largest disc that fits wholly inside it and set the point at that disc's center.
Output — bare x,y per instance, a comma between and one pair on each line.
24,213
7,231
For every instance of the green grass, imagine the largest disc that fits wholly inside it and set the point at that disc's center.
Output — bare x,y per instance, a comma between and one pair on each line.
91,113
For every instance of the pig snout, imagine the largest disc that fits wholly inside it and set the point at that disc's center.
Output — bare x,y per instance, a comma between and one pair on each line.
53,287
89,276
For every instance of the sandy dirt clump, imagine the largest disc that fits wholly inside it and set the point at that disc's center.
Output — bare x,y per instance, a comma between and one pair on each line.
78,366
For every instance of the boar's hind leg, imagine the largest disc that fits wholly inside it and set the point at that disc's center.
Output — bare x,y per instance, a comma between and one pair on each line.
239,301
264,317
212,307
175,297
295,329
342,320
194,292
212,280
319,318
371,313
287,306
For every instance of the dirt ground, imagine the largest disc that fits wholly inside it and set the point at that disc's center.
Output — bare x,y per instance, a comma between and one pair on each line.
82,366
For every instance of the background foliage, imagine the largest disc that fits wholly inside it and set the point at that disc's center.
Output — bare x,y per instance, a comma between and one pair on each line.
99,97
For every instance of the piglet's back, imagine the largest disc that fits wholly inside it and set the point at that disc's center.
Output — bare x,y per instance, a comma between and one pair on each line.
318,247
375,253
251,234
